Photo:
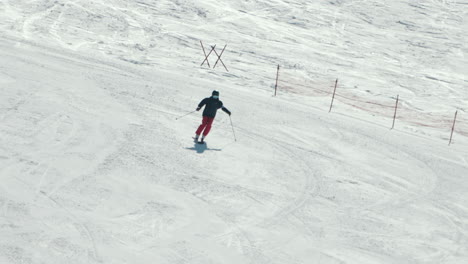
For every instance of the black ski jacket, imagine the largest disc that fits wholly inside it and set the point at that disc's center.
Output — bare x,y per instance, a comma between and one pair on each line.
211,106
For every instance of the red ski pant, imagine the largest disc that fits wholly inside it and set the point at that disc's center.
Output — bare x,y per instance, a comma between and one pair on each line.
205,126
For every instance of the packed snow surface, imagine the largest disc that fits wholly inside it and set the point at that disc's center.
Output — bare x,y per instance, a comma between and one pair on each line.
97,164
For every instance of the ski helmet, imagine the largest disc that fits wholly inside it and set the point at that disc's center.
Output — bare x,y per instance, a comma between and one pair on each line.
215,93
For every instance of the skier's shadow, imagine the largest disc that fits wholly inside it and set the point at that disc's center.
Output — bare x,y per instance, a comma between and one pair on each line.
200,148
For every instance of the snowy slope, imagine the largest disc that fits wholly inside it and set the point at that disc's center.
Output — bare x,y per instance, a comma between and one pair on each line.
95,168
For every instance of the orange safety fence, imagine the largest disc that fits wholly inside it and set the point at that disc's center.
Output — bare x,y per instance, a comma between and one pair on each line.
380,105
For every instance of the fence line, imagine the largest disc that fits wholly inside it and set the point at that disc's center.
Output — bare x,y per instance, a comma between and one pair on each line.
308,87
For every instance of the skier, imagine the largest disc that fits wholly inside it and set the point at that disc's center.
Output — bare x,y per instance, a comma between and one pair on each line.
212,104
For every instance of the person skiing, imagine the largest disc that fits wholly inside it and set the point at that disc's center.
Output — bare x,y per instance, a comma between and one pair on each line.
212,104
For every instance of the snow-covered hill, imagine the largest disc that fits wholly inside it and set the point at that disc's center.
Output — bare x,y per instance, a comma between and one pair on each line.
95,168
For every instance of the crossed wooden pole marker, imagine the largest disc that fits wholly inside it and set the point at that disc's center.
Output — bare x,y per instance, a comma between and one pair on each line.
216,53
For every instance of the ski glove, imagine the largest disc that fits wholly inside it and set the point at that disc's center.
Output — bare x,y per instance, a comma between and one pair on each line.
198,108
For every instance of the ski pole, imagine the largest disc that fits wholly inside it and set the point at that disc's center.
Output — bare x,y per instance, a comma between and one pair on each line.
235,139
177,118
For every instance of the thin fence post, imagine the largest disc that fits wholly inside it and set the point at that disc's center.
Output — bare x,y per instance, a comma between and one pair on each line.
333,97
453,127
277,74
394,115
206,56
219,58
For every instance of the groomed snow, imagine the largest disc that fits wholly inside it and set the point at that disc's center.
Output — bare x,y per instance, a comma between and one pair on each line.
95,167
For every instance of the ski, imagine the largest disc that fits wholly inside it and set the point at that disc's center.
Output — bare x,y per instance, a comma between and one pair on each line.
198,142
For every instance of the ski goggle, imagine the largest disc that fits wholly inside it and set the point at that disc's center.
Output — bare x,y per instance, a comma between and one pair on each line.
215,96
